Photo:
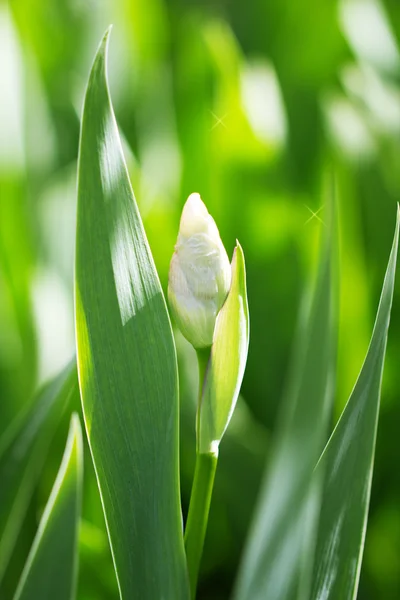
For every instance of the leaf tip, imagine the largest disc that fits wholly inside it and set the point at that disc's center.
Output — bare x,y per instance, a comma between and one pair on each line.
75,426
100,60
105,39
238,264
75,437
238,254
396,233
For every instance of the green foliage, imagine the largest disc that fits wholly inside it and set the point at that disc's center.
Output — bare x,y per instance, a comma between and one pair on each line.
348,462
280,542
245,103
23,449
126,363
51,567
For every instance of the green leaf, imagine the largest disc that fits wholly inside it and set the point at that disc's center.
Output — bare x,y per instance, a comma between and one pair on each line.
281,534
23,448
227,361
51,569
126,363
348,463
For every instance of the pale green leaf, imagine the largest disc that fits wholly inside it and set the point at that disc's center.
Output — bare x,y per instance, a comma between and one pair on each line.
51,569
348,463
126,363
227,361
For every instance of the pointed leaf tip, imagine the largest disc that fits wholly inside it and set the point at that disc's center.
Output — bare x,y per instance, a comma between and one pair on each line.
241,268
75,423
105,39
100,59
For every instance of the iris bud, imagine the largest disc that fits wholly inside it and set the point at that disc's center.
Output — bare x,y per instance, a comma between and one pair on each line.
199,275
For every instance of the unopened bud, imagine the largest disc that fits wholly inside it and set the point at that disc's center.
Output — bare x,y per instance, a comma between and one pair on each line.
199,275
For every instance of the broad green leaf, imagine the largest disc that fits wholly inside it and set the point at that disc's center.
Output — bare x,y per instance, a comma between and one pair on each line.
23,448
348,463
126,363
227,360
281,533
51,569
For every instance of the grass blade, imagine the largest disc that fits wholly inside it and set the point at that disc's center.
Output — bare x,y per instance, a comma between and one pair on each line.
126,363
23,448
51,568
348,463
278,539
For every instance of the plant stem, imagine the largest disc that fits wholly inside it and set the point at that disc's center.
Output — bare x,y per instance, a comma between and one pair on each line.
200,498
199,507
203,356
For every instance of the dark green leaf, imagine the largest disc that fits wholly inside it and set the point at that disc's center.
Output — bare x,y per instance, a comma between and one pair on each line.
23,448
51,569
127,363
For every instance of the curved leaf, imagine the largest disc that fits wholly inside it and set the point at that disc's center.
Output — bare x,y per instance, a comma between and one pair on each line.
51,569
348,463
126,363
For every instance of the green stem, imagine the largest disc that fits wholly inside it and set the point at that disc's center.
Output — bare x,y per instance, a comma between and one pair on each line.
203,356
200,498
199,507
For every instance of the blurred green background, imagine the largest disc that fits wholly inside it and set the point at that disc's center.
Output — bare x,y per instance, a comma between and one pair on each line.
250,104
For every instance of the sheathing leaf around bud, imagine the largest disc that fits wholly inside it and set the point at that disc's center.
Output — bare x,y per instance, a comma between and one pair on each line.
227,361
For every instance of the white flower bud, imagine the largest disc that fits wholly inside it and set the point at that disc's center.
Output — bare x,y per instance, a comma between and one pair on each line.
199,275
